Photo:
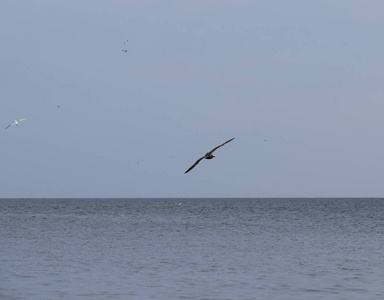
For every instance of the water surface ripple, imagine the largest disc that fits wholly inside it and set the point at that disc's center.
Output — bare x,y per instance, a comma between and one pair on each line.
191,249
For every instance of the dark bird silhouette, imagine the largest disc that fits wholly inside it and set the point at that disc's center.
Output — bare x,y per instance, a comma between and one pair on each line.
125,50
207,155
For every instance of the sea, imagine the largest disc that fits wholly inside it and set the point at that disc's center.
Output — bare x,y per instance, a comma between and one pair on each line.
192,248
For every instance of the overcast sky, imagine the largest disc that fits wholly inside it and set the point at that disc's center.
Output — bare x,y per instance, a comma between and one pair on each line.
306,76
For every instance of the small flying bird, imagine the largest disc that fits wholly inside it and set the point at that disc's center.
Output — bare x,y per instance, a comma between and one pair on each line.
15,122
125,50
208,155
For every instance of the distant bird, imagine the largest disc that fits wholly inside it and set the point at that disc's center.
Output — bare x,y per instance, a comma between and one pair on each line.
208,155
58,106
15,122
125,50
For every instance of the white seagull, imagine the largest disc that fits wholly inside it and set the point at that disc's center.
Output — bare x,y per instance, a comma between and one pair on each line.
15,122
207,155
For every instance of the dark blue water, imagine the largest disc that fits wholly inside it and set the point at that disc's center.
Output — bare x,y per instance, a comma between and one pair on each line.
192,249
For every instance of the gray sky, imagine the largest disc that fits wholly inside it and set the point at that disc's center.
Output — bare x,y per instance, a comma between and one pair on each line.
307,76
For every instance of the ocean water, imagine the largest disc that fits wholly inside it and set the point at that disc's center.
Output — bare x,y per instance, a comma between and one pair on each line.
192,249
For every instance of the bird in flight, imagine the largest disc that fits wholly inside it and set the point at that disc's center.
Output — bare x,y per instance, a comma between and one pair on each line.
15,122
208,155
125,50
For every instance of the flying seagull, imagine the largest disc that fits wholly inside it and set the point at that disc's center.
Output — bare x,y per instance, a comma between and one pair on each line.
15,122
125,50
208,155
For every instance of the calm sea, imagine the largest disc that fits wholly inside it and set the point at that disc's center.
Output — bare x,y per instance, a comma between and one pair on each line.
191,249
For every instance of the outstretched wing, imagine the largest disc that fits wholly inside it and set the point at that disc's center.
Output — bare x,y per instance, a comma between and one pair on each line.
9,126
220,145
194,165
22,119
